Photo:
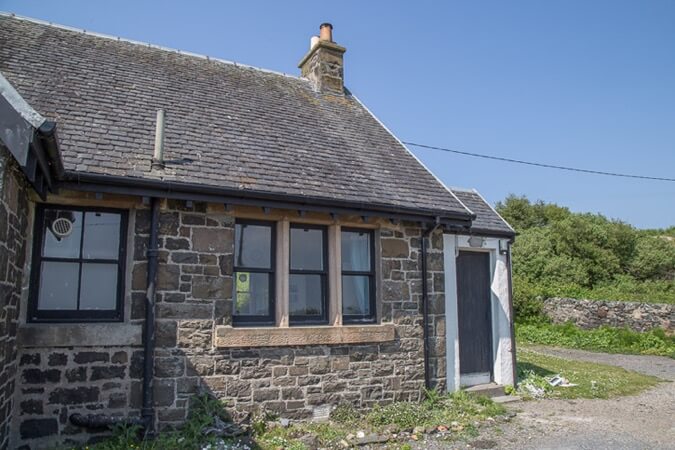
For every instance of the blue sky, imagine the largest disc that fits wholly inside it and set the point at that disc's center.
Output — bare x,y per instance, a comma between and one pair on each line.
576,83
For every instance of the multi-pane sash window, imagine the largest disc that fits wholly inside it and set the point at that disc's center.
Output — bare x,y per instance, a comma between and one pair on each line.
78,264
358,276
308,269
253,273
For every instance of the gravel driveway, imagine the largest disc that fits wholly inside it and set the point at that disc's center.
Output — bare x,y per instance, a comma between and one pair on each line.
644,421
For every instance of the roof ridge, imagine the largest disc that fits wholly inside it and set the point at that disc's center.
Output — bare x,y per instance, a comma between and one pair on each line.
144,44
461,189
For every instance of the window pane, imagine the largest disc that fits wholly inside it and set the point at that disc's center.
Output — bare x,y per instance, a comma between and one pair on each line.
60,239
356,251
306,249
101,236
99,286
356,295
306,295
253,246
251,294
58,285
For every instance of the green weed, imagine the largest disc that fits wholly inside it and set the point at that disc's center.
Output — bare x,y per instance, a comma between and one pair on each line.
604,339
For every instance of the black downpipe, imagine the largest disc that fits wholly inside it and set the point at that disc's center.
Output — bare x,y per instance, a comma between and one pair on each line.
147,410
513,319
425,303
147,419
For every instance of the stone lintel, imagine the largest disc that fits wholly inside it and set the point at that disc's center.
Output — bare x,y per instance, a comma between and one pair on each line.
79,335
227,336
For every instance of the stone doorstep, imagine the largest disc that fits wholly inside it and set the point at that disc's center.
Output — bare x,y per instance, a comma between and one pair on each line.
489,390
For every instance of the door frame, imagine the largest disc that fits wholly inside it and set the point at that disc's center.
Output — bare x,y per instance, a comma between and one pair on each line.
502,363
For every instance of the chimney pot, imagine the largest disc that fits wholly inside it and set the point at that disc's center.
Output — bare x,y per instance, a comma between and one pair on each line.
313,41
326,32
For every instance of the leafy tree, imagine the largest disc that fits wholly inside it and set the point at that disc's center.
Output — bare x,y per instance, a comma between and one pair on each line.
561,253
655,258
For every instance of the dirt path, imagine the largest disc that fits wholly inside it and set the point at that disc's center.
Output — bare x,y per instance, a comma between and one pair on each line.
644,421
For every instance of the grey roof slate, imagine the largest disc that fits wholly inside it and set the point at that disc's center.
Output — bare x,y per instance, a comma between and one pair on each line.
487,219
232,126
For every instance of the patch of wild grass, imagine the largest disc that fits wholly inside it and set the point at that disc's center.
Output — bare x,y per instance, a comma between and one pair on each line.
604,339
593,380
458,410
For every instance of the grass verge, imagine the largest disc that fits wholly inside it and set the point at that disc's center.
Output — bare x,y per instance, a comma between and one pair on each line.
603,339
593,380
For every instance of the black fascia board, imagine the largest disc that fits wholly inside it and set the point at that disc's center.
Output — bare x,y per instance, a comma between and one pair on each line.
186,191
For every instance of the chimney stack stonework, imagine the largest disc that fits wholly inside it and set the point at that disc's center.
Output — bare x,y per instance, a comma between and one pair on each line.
323,65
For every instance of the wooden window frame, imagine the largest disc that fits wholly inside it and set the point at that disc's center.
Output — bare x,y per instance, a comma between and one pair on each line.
299,320
349,319
270,318
36,315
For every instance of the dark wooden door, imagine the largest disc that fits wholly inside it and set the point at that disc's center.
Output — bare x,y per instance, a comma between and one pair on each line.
474,310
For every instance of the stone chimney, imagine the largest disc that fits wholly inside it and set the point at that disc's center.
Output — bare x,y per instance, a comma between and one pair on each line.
323,64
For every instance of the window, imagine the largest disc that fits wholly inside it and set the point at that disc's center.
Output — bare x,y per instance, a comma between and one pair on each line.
358,276
308,268
253,273
78,264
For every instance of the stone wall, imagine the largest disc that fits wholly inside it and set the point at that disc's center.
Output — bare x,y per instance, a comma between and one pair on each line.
57,382
194,297
592,314
13,231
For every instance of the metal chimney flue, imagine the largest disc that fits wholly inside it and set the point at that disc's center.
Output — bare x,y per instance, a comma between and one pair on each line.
158,158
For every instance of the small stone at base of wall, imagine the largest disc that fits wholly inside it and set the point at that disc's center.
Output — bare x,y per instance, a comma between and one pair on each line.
590,314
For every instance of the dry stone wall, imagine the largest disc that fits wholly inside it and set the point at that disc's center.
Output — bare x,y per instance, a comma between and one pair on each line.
593,314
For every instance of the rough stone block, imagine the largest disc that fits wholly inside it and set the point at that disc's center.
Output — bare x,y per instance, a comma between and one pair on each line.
37,376
211,287
164,392
168,277
37,428
189,311
76,374
74,396
107,372
213,240
31,407
169,367
57,359
394,248
166,333
91,357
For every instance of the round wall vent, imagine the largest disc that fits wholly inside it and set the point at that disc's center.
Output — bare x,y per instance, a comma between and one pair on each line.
62,227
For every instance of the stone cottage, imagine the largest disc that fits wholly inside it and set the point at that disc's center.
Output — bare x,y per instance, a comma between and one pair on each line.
172,223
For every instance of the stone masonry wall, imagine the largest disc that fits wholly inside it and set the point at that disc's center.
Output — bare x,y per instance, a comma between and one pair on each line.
593,314
194,296
13,231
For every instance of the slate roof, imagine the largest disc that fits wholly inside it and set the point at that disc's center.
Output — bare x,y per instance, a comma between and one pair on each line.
227,125
487,219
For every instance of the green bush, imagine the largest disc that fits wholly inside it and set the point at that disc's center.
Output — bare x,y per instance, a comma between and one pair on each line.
562,254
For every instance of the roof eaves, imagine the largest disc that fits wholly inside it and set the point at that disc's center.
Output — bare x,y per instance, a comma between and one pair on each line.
144,186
